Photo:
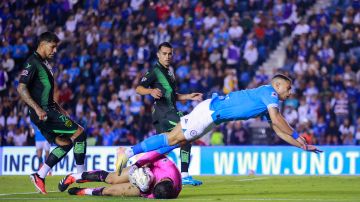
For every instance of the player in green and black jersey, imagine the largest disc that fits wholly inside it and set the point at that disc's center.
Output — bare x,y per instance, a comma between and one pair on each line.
36,88
160,83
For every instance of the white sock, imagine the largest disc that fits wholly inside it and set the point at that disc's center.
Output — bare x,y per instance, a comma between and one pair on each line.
44,170
77,176
129,152
80,168
184,174
88,191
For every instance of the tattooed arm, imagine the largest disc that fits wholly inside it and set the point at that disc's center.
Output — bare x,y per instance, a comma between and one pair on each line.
25,96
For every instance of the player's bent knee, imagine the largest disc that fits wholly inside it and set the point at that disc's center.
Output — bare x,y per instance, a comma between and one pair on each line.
114,178
80,129
78,132
111,178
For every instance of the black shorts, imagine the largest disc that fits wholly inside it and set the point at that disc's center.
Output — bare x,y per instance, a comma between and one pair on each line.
166,121
57,124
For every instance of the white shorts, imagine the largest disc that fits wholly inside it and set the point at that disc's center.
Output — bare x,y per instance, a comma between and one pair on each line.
198,122
44,145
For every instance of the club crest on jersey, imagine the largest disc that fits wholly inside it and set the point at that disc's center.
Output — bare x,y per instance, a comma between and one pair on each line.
68,123
143,79
193,133
274,94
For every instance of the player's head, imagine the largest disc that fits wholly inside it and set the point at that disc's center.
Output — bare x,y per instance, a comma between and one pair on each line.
282,86
165,53
47,44
164,189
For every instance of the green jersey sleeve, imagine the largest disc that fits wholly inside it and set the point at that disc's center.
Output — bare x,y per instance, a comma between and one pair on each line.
148,79
27,74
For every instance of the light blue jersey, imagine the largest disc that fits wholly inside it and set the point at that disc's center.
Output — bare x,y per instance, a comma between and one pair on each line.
38,135
244,104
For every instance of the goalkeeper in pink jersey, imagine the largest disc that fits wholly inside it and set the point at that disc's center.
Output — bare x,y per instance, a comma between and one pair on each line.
161,179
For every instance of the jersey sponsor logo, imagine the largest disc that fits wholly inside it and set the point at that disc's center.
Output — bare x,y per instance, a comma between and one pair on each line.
171,74
24,72
28,65
46,63
274,94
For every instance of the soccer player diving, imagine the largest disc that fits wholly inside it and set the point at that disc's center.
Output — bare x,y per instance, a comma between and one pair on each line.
239,105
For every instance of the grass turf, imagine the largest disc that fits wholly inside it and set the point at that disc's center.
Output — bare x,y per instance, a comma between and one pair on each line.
215,188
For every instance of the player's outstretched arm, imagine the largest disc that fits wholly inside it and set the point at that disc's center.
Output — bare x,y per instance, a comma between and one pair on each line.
191,96
285,132
149,157
288,138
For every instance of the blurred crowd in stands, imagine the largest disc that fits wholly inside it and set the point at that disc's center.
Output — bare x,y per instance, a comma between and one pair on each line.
219,46
324,60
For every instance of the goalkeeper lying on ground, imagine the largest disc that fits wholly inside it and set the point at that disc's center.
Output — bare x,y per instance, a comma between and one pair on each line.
152,176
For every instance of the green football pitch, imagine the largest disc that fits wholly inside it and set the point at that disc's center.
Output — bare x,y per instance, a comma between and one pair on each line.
222,188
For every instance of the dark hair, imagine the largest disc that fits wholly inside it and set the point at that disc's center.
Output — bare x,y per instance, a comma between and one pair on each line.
164,190
282,76
164,44
48,37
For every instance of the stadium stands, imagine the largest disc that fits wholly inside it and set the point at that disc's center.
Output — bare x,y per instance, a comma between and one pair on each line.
107,46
